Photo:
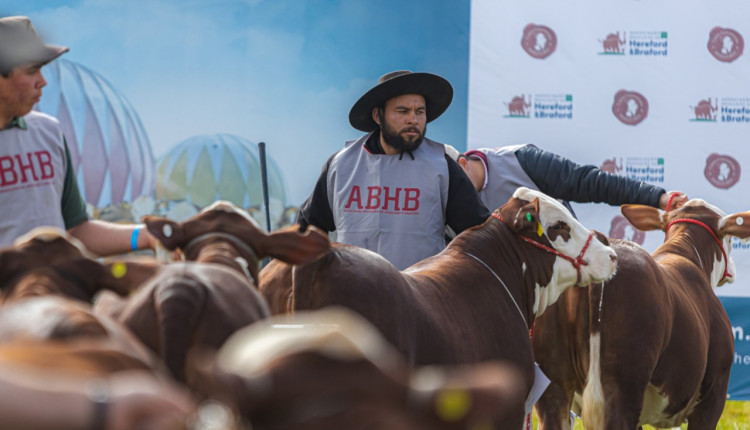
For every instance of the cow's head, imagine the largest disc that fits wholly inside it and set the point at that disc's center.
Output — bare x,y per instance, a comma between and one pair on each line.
224,233
49,261
332,369
711,229
582,256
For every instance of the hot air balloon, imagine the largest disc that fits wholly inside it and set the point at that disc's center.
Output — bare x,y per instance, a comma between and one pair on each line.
108,145
210,167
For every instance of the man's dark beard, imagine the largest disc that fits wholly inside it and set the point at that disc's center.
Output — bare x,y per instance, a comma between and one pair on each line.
396,141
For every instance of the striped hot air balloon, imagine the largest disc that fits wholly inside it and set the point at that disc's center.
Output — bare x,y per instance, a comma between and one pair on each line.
108,145
210,167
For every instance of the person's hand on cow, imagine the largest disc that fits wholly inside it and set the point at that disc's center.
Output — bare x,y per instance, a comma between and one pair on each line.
151,240
673,199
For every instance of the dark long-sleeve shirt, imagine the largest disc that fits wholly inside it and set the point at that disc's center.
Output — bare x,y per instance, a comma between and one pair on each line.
563,179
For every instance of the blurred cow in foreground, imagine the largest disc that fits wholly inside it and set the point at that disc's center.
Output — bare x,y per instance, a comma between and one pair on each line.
307,373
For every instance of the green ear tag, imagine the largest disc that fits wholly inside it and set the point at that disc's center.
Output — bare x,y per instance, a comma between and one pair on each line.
528,217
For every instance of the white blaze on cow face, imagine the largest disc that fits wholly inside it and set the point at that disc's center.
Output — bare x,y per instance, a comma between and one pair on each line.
719,265
569,237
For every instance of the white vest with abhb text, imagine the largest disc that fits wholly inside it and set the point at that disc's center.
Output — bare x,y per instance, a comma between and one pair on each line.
391,204
32,174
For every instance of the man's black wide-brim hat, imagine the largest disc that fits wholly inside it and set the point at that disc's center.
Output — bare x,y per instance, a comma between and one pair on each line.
437,92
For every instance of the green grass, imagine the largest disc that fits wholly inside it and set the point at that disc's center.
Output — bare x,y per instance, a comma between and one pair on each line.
736,416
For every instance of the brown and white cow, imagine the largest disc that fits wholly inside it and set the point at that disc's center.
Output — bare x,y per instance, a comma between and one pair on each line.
653,345
474,301
307,373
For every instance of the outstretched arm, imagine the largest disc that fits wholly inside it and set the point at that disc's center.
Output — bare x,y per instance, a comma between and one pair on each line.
564,179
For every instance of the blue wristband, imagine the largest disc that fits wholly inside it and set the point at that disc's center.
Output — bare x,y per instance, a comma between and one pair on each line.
134,239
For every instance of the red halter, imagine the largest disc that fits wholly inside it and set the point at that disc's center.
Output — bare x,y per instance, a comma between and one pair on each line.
716,238
576,262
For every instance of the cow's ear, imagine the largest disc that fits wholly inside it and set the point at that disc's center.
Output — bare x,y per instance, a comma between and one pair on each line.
291,246
737,225
168,232
644,218
527,217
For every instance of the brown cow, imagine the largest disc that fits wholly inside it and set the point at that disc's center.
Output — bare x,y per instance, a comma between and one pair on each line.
200,303
225,234
82,356
474,301
304,373
653,345
47,261
182,305
47,282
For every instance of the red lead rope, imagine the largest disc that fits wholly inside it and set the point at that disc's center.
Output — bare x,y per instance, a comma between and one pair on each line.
576,262
716,238
669,202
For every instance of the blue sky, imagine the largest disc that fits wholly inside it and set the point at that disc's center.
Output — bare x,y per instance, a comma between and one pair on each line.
281,71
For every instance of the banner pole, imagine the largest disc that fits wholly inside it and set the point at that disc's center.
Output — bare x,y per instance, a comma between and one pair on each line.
264,182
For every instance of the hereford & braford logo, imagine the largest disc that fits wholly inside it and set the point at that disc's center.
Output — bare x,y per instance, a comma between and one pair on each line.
721,109
540,106
610,165
635,43
630,107
620,228
539,41
722,171
613,44
647,169
705,110
518,106
725,44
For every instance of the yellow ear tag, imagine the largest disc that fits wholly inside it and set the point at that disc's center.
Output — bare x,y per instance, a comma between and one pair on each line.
452,405
119,270
539,229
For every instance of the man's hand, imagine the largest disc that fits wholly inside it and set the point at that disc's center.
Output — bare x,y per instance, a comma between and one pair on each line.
674,199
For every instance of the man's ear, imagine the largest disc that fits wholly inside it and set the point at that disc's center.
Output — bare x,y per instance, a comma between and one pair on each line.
463,162
375,116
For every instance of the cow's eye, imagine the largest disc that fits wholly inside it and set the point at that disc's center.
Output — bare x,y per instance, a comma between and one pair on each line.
557,226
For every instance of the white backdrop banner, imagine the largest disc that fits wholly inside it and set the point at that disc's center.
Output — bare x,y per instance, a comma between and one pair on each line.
655,91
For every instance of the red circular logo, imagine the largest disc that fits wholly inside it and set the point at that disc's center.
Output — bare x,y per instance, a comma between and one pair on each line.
722,171
621,228
725,44
630,107
539,41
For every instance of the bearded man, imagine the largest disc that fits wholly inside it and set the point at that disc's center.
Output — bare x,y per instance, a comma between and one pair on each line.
393,191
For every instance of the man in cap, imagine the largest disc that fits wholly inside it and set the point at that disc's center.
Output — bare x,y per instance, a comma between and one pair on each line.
37,181
497,172
393,191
